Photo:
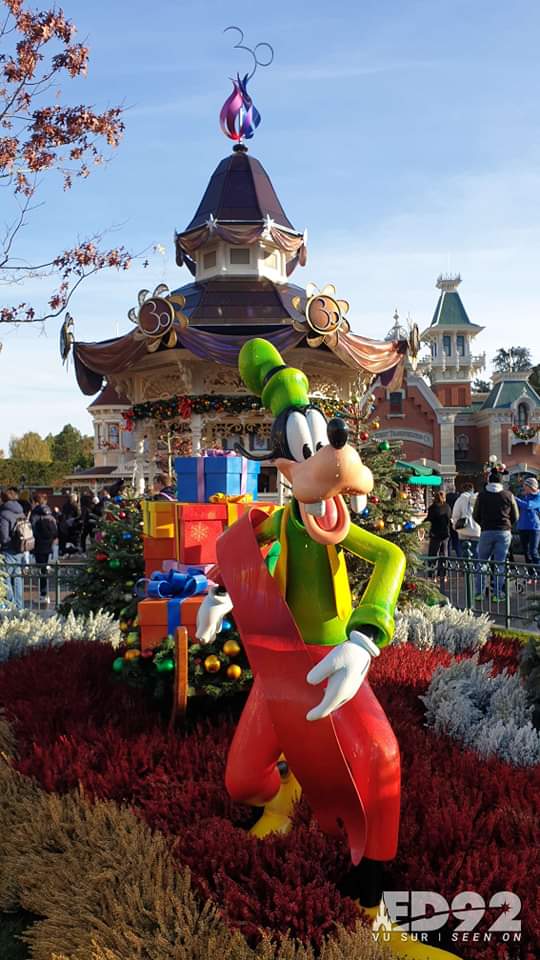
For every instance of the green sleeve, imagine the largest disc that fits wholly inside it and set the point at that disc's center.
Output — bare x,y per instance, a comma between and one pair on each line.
378,604
270,528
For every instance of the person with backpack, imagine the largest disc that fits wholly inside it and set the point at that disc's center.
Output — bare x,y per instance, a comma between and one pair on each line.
45,533
496,512
16,539
463,523
528,525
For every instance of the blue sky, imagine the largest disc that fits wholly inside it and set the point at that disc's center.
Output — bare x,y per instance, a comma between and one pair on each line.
404,135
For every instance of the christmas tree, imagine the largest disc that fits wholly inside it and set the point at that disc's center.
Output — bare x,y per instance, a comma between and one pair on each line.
115,564
392,510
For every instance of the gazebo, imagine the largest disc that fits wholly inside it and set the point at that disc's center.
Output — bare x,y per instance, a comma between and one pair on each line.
177,367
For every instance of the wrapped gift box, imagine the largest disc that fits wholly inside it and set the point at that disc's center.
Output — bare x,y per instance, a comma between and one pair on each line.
200,525
159,618
159,517
169,565
198,478
159,548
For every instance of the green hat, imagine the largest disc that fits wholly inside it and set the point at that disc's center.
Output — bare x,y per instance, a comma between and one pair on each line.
264,373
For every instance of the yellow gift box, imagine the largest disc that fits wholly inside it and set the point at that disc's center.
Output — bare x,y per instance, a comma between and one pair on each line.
236,505
159,518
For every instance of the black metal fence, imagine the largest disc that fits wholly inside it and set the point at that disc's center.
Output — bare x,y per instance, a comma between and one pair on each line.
36,586
508,592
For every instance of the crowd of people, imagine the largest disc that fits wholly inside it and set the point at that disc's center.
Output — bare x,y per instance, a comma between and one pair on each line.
480,526
474,525
34,531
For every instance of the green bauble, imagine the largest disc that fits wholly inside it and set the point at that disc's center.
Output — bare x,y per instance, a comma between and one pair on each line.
383,446
118,665
164,666
114,563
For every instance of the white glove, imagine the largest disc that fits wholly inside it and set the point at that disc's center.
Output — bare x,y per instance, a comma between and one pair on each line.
210,615
346,667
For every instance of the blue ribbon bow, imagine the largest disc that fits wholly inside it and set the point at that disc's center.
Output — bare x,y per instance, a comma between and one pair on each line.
163,586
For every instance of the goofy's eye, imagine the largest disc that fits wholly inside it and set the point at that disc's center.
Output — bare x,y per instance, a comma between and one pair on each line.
299,438
318,428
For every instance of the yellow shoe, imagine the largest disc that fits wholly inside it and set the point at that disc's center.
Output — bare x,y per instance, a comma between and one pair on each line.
276,816
401,943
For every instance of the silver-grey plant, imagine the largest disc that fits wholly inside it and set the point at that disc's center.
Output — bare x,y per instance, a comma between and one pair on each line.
458,631
22,631
488,713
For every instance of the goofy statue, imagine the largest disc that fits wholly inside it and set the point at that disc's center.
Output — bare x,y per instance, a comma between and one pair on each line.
294,614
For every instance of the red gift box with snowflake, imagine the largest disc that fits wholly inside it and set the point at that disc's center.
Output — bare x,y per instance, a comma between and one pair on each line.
200,526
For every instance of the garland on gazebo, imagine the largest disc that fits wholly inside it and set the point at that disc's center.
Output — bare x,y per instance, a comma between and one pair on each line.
183,407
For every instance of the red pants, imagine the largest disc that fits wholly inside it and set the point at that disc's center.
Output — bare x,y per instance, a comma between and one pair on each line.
368,745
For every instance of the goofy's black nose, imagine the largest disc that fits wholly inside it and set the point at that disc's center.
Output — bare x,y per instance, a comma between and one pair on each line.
338,432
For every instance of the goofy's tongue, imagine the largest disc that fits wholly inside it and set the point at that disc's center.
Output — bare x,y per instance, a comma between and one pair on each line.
330,518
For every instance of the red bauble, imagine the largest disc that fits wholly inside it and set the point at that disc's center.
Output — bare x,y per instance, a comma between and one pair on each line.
122,515
364,437
100,557
374,499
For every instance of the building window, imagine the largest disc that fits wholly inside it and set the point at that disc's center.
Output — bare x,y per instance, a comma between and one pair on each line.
523,413
258,442
447,345
114,434
396,402
240,255
460,345
462,447
209,259
433,350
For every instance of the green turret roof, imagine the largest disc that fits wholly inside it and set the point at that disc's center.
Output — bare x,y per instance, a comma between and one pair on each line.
450,311
506,392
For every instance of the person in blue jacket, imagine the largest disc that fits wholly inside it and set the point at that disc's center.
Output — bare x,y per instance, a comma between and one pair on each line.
528,525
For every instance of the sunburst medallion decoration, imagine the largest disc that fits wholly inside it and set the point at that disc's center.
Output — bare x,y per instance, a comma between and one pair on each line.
324,315
157,316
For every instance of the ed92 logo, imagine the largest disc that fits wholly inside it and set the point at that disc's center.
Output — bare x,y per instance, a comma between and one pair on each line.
420,911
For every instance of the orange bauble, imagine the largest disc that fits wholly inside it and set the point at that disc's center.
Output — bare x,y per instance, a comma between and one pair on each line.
231,648
234,672
212,664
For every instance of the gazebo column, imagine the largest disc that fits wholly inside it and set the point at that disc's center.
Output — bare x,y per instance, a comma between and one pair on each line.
138,446
151,453
196,434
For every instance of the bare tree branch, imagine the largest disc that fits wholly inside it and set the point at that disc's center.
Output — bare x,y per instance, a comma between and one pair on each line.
37,49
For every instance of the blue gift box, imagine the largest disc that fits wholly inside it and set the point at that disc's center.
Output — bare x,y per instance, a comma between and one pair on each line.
199,478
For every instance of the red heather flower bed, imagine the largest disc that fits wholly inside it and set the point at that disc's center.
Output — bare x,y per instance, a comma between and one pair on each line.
466,824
